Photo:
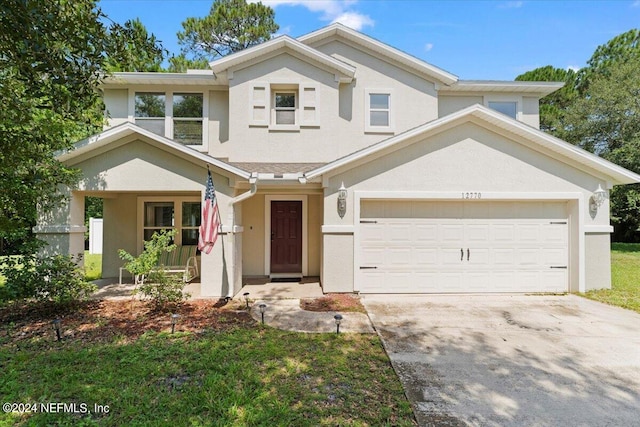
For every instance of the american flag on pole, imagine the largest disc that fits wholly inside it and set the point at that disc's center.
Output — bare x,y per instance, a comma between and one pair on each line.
210,220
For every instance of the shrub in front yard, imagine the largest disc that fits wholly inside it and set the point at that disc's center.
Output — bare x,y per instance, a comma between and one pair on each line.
56,279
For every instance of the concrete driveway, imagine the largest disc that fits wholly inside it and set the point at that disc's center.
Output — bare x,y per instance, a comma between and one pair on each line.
513,360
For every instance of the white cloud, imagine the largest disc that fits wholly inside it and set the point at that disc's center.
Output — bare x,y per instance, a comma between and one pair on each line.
573,67
635,3
354,20
428,47
332,11
511,5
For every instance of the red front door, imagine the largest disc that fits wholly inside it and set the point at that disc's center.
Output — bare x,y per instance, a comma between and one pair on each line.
286,236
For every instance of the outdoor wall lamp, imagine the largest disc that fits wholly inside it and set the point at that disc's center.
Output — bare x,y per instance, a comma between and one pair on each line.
246,298
338,319
174,320
597,199
56,327
342,200
263,308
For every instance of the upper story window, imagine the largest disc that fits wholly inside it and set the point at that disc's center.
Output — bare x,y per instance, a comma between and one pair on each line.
379,110
179,116
150,112
187,118
508,108
285,107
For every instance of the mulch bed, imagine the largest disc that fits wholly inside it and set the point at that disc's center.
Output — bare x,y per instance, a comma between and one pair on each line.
105,320
334,302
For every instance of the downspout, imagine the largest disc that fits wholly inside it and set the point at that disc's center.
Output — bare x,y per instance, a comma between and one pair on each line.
253,181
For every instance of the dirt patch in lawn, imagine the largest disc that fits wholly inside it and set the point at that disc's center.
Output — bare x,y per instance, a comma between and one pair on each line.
334,302
104,321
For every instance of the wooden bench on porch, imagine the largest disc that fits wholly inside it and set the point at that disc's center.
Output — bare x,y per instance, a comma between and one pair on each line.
180,260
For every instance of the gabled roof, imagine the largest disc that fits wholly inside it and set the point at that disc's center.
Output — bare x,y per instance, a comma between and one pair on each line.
272,46
114,134
391,54
487,117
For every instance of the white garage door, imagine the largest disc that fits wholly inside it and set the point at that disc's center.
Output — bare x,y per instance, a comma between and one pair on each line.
440,247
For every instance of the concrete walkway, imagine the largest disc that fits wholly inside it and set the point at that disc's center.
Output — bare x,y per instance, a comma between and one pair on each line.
287,315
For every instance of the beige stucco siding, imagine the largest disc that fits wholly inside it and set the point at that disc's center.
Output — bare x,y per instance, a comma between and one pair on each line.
531,111
116,105
315,235
598,255
253,236
451,104
120,231
219,124
340,107
337,275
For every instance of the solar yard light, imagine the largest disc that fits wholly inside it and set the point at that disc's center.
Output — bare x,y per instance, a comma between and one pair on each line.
174,320
338,319
263,307
56,327
246,298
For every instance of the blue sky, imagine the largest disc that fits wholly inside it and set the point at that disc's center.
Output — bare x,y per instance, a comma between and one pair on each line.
495,40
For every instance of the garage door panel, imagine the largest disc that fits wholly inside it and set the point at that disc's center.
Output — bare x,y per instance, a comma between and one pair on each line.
510,250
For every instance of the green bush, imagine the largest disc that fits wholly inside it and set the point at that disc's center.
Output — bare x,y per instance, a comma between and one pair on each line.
56,279
154,283
162,288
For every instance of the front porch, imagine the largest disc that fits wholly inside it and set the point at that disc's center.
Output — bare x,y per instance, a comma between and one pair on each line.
258,288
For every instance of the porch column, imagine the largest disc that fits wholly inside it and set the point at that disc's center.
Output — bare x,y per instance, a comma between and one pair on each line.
62,229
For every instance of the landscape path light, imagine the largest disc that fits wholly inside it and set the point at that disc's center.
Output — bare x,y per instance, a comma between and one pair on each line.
262,307
56,327
246,298
338,319
174,320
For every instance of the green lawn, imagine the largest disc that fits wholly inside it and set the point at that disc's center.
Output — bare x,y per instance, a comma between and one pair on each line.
625,278
247,376
92,265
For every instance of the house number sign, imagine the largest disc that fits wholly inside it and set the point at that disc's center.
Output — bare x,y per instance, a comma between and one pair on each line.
471,195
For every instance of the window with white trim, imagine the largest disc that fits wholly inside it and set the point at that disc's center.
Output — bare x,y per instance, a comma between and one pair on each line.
180,116
509,108
187,118
150,111
182,214
285,105
379,110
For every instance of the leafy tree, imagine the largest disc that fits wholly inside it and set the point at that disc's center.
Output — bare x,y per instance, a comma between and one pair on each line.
231,26
553,107
50,67
132,48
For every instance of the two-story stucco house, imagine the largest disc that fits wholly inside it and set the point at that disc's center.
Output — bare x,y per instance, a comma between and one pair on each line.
338,156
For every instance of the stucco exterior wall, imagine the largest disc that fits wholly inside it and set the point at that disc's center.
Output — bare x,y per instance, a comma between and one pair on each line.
448,104
315,236
116,103
531,111
598,256
120,231
219,124
340,107
253,236
337,274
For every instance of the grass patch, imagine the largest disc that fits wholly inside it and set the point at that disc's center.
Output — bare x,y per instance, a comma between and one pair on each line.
92,266
625,278
234,373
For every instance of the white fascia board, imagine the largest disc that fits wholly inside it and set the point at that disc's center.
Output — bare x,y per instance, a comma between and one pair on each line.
381,48
278,43
619,174
494,86
150,78
118,132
